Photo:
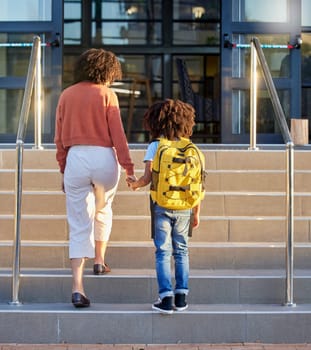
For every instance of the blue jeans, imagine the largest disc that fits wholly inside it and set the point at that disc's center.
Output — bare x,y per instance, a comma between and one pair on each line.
170,236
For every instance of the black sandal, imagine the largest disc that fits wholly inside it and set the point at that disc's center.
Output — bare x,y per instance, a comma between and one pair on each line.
101,269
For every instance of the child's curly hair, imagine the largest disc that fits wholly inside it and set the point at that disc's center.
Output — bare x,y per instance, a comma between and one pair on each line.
98,66
170,119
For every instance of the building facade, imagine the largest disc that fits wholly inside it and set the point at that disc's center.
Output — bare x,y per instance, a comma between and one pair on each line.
212,37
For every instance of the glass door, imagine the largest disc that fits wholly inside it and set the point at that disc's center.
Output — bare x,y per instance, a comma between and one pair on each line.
19,23
278,33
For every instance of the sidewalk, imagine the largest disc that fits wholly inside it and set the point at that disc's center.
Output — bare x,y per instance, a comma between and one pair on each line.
252,346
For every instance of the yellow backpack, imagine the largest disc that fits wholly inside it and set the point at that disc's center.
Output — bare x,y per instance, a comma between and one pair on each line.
178,174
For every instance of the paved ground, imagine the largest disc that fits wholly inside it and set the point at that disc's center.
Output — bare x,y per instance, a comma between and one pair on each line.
255,346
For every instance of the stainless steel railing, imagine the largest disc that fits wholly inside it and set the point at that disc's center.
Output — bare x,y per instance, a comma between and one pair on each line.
257,55
33,77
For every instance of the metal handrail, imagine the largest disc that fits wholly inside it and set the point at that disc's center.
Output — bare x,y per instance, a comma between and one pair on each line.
22,126
257,53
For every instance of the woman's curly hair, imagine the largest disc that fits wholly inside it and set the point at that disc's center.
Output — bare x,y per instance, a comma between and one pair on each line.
170,119
98,66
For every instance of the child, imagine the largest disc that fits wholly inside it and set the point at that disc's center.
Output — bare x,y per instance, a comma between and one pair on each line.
170,119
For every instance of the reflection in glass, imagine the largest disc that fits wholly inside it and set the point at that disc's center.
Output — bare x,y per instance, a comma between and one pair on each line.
127,10
306,104
277,59
126,23
195,68
72,22
68,65
10,108
127,33
306,58
140,73
26,10
197,80
266,122
14,61
186,33
306,77
198,10
196,23
267,11
305,13
72,33
238,112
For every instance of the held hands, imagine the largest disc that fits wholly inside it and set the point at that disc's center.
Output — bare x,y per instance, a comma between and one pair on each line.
132,182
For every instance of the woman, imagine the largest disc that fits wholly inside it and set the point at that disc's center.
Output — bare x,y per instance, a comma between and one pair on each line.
91,145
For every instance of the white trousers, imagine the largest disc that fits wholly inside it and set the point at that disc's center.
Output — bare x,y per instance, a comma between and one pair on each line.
91,178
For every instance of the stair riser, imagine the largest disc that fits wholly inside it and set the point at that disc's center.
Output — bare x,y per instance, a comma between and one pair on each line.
119,290
119,327
200,258
225,159
213,205
138,229
50,180
214,159
39,181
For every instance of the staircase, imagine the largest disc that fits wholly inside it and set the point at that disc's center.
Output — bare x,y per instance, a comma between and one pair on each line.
237,258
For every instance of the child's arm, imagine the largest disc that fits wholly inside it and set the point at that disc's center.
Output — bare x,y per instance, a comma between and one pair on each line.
196,216
143,180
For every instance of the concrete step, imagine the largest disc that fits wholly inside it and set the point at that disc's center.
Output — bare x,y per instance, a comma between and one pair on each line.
237,259
140,286
33,180
137,228
138,324
214,204
242,180
216,158
124,254
46,159
217,180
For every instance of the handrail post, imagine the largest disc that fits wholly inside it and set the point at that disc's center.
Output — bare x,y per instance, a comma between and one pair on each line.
281,119
253,99
290,224
37,101
17,223
19,169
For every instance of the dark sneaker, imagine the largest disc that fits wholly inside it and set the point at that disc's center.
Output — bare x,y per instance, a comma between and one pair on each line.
165,306
180,302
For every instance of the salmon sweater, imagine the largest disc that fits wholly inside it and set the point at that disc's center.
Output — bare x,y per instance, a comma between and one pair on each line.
89,114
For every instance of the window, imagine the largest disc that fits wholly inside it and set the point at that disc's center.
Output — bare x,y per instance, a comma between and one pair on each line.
306,75
306,58
141,33
26,10
266,122
305,13
126,23
263,11
196,23
14,61
72,22
277,59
